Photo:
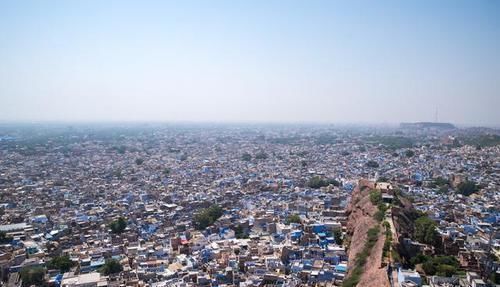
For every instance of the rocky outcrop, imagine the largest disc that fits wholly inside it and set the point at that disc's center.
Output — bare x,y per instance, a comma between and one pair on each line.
360,219
404,217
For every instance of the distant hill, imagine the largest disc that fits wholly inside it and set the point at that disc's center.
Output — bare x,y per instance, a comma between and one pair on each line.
428,125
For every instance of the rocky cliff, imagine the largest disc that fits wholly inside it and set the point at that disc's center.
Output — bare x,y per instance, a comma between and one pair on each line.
361,218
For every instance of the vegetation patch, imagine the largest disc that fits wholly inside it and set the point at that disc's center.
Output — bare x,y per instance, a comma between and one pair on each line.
4,238
375,197
437,265
361,257
261,155
33,276
425,231
62,263
240,233
293,218
207,217
118,226
111,266
372,164
409,153
337,234
467,188
439,182
318,182
246,157
388,240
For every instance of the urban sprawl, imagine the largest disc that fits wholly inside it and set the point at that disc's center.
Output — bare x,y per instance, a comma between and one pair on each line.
249,205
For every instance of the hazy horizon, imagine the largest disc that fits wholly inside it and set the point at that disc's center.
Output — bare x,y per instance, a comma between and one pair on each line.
326,62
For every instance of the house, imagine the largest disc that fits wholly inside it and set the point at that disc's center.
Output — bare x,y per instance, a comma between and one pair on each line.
408,275
93,279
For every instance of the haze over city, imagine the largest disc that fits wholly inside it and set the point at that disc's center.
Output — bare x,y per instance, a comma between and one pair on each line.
249,143
250,61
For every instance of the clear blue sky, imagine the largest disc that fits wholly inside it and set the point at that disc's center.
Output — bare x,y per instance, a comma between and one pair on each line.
319,61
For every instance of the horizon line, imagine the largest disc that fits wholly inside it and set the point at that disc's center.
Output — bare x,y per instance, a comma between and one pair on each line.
225,122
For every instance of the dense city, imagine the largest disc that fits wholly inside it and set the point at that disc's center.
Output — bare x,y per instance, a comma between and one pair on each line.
249,205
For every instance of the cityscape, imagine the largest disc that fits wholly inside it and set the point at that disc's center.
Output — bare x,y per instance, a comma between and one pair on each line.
249,143
249,205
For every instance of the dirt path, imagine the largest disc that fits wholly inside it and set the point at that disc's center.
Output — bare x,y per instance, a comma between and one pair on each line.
394,273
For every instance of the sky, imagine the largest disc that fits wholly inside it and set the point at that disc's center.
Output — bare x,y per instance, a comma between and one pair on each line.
250,61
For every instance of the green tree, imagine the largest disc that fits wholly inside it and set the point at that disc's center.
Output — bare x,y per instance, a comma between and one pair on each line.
4,239
63,263
409,153
246,157
440,265
383,179
33,276
201,221
446,270
425,231
337,234
239,232
118,226
215,211
429,268
207,217
419,258
379,215
495,277
293,218
333,182
375,197
318,182
261,155
111,266
139,161
441,181
467,188
443,189
372,164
